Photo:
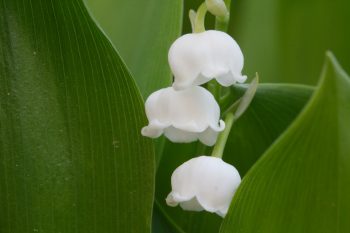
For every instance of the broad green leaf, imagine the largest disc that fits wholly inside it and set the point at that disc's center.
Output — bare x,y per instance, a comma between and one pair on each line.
301,184
162,222
285,40
273,108
142,31
71,155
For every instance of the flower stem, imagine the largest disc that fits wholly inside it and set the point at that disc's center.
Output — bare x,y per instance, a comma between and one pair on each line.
215,89
221,23
200,18
219,147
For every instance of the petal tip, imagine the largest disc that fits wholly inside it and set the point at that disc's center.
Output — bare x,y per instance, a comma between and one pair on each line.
170,200
151,132
240,78
221,213
222,125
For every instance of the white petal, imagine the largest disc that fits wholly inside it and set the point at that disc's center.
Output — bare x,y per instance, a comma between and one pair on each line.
192,205
178,135
199,57
154,129
205,180
183,116
209,136
229,78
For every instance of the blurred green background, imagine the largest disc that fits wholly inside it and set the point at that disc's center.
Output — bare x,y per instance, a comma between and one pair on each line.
283,40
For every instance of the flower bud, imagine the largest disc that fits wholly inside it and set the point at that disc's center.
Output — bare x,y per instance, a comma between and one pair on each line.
217,7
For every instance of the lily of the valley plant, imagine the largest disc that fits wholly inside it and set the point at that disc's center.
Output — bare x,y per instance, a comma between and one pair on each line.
187,112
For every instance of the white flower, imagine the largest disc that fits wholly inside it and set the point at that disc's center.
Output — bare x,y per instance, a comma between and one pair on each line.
204,183
183,116
199,57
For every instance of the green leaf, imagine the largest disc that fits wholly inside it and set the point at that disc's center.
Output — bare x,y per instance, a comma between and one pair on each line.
71,155
142,31
285,40
273,108
301,184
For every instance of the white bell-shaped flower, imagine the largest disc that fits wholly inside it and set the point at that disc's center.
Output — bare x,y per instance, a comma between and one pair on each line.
199,57
183,116
204,183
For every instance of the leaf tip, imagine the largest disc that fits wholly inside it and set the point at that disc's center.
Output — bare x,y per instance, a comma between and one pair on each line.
332,70
332,61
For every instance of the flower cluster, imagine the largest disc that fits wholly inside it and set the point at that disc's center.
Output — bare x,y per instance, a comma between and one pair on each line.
186,112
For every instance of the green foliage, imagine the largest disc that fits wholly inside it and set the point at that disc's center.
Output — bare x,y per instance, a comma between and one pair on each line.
142,31
72,158
273,108
285,40
71,155
301,184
